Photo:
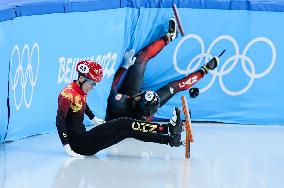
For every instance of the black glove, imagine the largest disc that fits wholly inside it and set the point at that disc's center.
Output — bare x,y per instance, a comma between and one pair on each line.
193,92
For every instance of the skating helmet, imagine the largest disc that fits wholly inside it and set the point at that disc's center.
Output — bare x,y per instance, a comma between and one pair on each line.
149,103
90,69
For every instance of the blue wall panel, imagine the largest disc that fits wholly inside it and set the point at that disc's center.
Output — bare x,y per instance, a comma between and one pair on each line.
16,8
5,40
43,62
237,92
87,5
7,12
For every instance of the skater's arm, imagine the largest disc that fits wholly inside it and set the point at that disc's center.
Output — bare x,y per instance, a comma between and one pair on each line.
95,121
89,112
118,76
63,107
129,59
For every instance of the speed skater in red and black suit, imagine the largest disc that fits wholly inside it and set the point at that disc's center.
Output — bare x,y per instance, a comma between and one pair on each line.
78,142
128,100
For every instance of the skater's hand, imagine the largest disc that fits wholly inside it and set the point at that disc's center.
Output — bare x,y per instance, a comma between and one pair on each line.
129,58
96,121
193,92
71,152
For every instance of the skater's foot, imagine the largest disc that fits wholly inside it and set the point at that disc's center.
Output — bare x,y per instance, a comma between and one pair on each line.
175,125
173,29
175,128
212,64
175,140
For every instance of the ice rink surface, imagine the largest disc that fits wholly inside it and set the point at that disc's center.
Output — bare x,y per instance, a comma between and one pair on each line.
222,156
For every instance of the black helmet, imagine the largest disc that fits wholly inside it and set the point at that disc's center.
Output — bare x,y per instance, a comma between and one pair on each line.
149,103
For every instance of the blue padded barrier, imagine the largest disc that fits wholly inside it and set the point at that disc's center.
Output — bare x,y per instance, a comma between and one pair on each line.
254,5
83,5
7,12
42,62
9,9
5,44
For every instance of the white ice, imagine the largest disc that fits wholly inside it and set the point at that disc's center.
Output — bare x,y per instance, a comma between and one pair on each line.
222,156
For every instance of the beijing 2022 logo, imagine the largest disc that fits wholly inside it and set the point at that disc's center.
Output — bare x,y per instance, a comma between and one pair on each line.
24,66
230,63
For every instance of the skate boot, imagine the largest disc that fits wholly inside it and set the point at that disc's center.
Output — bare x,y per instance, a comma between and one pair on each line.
212,64
173,29
175,140
175,125
175,128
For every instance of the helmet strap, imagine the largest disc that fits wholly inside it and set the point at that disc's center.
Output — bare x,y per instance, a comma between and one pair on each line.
81,83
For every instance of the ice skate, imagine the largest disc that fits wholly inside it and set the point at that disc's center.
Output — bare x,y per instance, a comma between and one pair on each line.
176,140
175,125
213,63
175,128
173,29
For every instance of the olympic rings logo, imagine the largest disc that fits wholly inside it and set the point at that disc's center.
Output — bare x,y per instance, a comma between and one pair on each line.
26,75
235,59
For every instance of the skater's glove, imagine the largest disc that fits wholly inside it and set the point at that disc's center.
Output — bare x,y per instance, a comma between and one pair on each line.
129,58
96,121
71,152
193,92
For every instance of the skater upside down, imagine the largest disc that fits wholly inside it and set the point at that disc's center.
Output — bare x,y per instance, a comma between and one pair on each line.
127,100
77,141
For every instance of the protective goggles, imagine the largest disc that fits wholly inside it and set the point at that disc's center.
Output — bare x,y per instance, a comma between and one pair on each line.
91,82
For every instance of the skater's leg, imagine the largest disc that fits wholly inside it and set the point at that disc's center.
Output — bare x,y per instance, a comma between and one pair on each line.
114,131
135,74
117,130
134,77
169,90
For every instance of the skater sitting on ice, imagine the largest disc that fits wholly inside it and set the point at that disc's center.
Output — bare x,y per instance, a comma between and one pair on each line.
70,114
